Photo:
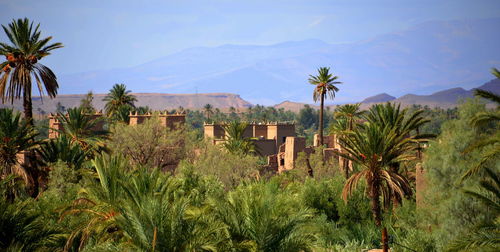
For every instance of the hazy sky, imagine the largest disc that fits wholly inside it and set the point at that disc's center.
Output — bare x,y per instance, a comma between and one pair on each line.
107,34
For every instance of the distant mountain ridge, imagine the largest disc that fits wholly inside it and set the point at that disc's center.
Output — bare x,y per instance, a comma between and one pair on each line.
448,98
155,101
379,98
428,57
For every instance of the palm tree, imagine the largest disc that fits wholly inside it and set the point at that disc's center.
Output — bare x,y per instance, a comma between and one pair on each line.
21,228
375,148
146,209
208,111
260,217
61,149
16,136
86,103
325,83
117,97
22,65
79,128
401,120
236,142
349,112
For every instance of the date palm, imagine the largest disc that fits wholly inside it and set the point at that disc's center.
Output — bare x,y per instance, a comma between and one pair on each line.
375,148
15,136
208,111
22,65
325,85
236,142
117,97
404,122
260,217
349,112
79,128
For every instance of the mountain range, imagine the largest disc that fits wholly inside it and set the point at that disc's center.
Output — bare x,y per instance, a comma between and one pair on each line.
444,99
428,57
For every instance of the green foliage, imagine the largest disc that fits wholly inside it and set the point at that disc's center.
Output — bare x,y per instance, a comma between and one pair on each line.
263,217
445,162
236,142
16,135
86,104
230,169
61,149
150,144
79,128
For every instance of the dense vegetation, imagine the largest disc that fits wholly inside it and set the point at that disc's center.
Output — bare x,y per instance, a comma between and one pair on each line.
149,188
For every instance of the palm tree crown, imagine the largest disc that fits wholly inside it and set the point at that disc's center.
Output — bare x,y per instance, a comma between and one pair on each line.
22,56
325,85
117,97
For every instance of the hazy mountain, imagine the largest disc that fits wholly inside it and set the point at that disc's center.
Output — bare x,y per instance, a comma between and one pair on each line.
154,101
379,98
426,58
448,98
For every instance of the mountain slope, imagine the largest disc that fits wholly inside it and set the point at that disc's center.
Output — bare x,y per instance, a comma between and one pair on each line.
379,98
426,58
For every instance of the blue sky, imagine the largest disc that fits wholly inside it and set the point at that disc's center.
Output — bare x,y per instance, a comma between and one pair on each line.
113,34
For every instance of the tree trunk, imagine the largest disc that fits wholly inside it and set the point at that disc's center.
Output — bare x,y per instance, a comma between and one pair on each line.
346,161
309,168
321,120
385,240
28,106
376,210
30,165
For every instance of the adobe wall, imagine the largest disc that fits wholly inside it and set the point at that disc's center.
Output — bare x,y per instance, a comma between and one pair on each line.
294,145
265,147
421,184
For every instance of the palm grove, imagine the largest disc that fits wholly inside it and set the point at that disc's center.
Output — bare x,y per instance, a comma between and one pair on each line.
110,191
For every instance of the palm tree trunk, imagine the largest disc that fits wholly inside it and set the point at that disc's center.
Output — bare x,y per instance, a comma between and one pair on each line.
346,161
321,120
28,106
28,115
376,210
310,171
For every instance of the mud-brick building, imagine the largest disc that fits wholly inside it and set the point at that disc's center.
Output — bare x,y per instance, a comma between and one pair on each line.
267,136
172,121
56,126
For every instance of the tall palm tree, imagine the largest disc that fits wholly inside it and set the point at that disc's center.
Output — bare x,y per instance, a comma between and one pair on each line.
375,148
22,55
325,83
117,97
349,112
208,111
15,136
